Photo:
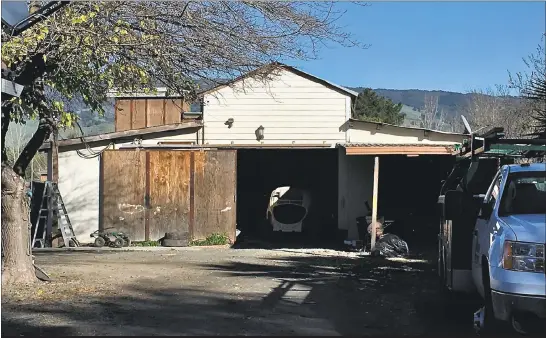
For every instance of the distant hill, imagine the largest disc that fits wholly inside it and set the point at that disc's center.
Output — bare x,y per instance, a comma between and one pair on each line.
450,102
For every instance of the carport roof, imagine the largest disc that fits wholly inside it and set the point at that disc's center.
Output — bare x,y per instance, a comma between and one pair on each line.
428,148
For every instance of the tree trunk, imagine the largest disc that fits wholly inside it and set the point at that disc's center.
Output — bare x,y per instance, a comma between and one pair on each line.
6,118
17,265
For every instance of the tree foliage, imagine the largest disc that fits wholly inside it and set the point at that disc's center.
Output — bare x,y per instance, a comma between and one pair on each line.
495,107
532,89
373,108
87,49
91,48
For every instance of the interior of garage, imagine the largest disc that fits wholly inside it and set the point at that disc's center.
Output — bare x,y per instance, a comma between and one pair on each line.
260,171
408,194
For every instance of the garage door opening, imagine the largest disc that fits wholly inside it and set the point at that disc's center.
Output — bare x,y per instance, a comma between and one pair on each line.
286,197
408,194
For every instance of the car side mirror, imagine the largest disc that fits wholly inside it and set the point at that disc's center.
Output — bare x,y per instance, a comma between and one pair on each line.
486,210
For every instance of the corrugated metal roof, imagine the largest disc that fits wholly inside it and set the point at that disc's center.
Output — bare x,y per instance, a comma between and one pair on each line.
456,145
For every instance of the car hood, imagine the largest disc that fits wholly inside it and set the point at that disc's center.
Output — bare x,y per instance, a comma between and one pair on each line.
528,228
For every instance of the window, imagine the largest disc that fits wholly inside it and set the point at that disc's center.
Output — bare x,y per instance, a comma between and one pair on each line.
493,192
524,193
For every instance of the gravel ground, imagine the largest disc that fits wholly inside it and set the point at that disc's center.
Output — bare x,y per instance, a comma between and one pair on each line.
222,291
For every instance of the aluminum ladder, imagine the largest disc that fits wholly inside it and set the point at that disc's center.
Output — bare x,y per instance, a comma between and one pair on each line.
54,204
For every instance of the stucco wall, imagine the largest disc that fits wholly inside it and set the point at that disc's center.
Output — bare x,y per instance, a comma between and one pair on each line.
291,108
355,187
79,187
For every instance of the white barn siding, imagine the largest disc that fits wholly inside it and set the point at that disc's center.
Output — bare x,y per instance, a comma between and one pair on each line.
291,108
189,137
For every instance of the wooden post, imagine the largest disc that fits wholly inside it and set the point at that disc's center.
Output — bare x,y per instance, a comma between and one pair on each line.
53,176
55,156
374,201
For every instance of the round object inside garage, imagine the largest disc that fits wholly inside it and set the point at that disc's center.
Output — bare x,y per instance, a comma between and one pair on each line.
287,197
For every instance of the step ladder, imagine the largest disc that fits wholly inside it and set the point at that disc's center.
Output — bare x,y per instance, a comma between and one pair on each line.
52,204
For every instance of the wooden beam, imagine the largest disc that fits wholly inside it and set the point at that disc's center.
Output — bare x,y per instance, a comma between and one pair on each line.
126,134
374,201
55,156
476,152
401,150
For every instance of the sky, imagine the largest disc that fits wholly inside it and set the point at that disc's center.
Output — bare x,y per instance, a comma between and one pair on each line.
451,46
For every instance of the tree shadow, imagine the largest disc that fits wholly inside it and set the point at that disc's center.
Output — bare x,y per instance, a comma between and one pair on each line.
288,295
368,294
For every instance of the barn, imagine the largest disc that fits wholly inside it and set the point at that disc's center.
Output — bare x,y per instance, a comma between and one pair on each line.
166,168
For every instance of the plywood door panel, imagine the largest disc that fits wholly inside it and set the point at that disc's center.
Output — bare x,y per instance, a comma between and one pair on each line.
123,191
155,112
123,115
169,192
214,193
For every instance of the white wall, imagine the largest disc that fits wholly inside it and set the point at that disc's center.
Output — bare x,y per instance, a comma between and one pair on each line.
290,108
355,187
190,137
79,187
362,132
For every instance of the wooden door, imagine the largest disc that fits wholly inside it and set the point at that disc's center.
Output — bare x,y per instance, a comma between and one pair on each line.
215,187
123,191
169,191
149,193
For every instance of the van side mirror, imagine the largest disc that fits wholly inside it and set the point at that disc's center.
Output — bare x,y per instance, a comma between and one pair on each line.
453,204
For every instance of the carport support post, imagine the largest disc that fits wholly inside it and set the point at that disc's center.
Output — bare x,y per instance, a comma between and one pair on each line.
374,201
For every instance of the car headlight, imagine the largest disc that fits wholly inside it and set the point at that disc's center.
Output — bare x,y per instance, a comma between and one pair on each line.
520,256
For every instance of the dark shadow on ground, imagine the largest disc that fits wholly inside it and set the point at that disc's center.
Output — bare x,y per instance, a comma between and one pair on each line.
301,295
384,296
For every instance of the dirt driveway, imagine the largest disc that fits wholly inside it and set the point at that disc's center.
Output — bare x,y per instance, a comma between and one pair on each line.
221,291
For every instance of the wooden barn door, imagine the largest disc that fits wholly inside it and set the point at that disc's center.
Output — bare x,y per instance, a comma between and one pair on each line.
123,191
169,191
149,193
215,193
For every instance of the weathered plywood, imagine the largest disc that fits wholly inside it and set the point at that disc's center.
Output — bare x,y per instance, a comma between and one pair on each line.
169,182
139,114
214,193
123,115
173,111
123,191
155,109
133,113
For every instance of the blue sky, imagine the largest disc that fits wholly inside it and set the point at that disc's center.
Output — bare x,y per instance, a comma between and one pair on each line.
452,46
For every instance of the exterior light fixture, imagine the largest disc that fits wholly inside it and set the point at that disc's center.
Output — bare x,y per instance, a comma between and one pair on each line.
229,122
259,133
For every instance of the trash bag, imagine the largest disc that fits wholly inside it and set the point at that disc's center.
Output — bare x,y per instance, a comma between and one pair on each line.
390,246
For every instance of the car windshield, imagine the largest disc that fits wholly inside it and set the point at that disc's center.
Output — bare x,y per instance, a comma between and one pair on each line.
524,193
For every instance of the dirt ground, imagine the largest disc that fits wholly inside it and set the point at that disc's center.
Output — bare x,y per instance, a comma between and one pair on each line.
222,291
